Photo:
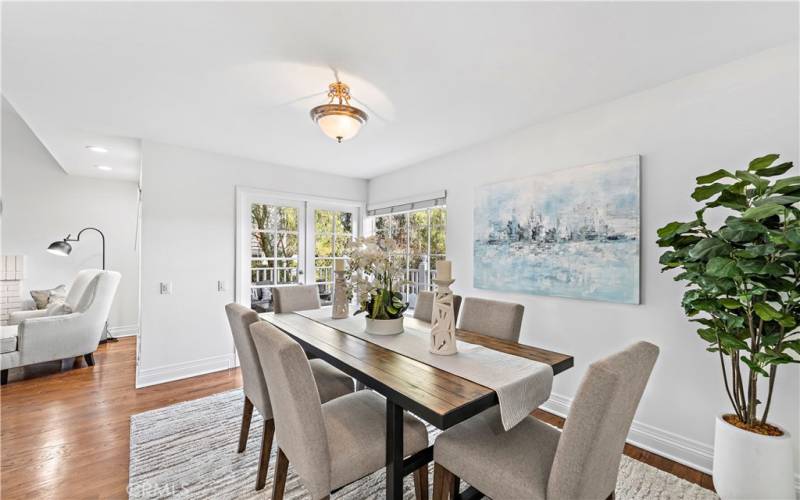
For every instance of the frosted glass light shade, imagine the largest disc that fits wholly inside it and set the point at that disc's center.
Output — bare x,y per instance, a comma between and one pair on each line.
338,121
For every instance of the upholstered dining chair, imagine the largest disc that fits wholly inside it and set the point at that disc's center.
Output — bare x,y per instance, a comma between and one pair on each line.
331,383
494,318
424,308
329,444
534,460
295,298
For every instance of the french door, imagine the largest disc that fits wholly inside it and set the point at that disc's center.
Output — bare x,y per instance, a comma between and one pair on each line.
283,240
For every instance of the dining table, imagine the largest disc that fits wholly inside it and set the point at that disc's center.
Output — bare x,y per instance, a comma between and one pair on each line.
432,394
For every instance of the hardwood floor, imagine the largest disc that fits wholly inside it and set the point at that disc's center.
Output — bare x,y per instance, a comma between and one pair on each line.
65,434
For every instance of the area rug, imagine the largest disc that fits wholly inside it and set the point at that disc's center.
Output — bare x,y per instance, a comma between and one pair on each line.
188,450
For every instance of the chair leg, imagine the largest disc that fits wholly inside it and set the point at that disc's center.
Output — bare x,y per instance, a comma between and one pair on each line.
89,358
279,481
247,415
4,377
456,487
421,482
263,459
612,496
443,483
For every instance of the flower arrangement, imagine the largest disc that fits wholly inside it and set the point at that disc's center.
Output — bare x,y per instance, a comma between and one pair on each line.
375,277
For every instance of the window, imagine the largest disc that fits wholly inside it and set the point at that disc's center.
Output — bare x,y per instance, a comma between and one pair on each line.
420,238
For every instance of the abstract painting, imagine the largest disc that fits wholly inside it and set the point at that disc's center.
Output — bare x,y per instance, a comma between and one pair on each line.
569,233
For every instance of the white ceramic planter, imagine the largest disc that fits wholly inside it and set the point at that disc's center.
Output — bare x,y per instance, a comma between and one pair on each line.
384,326
749,465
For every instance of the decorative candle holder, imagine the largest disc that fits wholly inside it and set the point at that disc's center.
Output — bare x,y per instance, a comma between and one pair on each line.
340,309
443,328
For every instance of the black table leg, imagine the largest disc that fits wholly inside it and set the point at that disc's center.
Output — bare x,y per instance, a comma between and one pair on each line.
394,451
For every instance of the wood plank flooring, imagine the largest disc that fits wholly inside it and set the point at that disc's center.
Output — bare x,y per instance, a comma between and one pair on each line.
65,434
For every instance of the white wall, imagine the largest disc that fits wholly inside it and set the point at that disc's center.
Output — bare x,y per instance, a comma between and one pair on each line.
42,204
721,118
188,238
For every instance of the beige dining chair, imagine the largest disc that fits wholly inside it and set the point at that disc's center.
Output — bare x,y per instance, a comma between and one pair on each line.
295,298
331,382
423,310
534,460
502,320
329,444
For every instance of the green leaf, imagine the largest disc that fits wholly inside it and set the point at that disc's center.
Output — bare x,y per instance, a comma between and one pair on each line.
793,235
739,230
714,176
704,192
762,162
709,247
776,170
722,267
758,182
729,341
732,200
756,251
778,200
730,303
786,184
762,212
766,311
673,228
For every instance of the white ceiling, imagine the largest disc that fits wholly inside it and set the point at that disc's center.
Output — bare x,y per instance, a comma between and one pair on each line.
232,77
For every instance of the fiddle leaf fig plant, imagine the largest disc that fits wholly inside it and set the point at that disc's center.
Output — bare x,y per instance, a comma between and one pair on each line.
743,278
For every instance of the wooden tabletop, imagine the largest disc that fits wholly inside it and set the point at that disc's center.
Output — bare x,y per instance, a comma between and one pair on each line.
441,398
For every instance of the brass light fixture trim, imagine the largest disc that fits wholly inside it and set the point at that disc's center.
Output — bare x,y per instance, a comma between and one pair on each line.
339,105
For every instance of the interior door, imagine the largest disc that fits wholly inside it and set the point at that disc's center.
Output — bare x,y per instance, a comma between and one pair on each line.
277,248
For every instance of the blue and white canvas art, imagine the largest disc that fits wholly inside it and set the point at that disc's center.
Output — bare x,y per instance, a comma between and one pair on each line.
569,233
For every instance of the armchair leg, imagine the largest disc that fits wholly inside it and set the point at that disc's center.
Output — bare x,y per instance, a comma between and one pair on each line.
443,483
4,377
89,358
247,415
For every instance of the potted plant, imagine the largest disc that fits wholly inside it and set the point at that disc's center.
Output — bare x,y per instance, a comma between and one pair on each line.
377,277
743,282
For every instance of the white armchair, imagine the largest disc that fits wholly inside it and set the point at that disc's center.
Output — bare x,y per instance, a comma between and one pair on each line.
41,338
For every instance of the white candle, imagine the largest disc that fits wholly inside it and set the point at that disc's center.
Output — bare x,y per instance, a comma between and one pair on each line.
338,265
444,270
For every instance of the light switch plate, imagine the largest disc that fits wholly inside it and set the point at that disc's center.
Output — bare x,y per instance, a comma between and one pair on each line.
166,288
221,286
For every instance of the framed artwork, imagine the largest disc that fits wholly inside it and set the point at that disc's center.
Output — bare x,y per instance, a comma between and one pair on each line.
568,233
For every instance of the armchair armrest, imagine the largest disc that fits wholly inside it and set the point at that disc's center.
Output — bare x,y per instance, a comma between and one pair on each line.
16,317
57,337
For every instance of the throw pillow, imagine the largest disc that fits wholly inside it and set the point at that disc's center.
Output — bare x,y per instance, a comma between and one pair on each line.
58,309
44,297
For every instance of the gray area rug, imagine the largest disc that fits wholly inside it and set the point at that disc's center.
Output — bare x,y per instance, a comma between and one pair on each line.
188,450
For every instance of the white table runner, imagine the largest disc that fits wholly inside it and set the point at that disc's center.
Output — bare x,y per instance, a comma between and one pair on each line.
521,384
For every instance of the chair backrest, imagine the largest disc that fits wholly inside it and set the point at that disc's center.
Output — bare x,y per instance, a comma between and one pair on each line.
587,459
255,385
98,297
80,287
502,320
299,424
424,308
295,298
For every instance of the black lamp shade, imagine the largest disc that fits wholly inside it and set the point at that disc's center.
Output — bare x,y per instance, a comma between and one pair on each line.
60,248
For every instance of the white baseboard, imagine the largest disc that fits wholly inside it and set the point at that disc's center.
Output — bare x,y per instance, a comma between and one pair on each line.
680,449
177,371
123,331
694,454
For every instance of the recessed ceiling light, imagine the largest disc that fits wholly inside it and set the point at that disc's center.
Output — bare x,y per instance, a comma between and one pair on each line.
97,149
103,167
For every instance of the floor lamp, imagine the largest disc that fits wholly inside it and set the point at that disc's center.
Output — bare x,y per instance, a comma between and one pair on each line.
63,248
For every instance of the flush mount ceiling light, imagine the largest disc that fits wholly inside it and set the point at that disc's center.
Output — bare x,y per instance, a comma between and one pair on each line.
97,149
103,167
339,120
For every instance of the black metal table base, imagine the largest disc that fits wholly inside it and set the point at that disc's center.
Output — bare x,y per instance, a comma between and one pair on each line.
396,467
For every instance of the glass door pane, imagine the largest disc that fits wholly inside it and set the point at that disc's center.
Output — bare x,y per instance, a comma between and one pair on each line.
276,249
333,228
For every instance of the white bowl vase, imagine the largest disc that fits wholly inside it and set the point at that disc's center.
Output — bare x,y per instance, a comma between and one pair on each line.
384,326
749,465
